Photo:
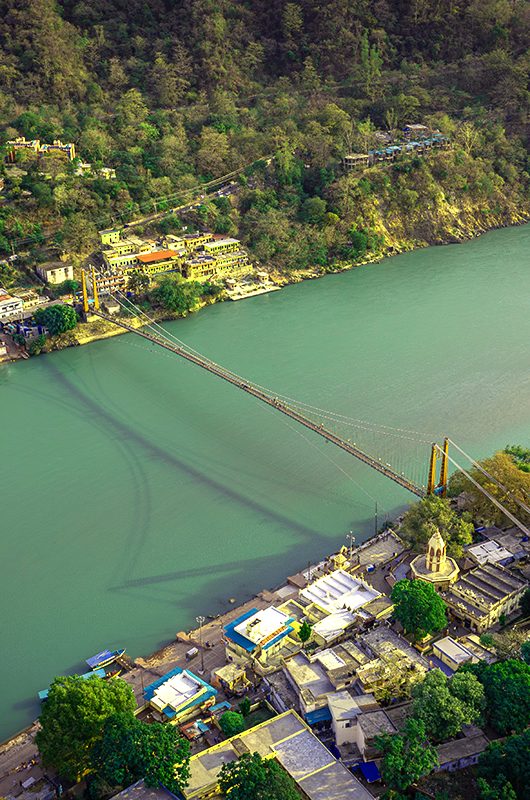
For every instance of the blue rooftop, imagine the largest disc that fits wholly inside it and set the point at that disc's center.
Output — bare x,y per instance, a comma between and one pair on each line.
246,643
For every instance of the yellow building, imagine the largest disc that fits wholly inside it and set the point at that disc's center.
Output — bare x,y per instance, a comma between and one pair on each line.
110,235
231,261
199,268
159,261
218,246
193,241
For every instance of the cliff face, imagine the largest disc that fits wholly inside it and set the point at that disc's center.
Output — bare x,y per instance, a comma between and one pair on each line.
446,198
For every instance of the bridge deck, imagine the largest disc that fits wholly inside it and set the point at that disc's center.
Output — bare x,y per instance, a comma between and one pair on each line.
326,434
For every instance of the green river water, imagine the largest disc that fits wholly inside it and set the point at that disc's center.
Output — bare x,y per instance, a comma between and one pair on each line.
139,491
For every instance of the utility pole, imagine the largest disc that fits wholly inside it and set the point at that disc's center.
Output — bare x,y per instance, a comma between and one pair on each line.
200,622
351,539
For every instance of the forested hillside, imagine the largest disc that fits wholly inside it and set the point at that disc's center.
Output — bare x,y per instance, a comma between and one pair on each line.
171,94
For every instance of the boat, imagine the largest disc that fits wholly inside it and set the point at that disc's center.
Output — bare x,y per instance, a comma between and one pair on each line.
97,673
104,659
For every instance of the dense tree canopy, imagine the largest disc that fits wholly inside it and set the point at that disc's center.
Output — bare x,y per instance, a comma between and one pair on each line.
432,513
503,768
73,717
418,607
57,319
172,94
515,486
407,755
507,691
255,778
444,705
130,749
232,722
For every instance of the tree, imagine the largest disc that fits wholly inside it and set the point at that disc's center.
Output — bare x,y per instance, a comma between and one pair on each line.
416,527
313,211
503,767
525,603
504,468
525,652
130,749
57,319
418,607
244,706
507,691
445,706
304,632
138,283
175,294
255,778
73,717
231,723
407,756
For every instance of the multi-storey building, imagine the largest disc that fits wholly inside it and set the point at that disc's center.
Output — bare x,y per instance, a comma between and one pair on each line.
483,595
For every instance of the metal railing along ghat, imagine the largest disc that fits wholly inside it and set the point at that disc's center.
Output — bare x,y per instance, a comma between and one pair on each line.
350,448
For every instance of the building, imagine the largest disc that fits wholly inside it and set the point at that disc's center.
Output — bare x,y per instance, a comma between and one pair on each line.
232,261
344,711
55,272
317,773
312,686
353,161
219,246
3,349
452,653
435,567
10,307
159,261
394,667
483,595
366,727
338,601
416,131
194,241
460,753
199,267
110,236
179,695
490,552
140,791
111,282
257,637
231,679
35,146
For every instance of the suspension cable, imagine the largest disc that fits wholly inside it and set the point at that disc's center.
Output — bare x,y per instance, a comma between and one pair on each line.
485,492
492,478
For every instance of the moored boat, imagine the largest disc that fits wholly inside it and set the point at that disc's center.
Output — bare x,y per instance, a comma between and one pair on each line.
104,659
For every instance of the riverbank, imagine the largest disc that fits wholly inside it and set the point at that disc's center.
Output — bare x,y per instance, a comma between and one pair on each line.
97,329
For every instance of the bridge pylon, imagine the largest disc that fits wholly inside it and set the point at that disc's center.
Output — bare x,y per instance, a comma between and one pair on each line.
95,290
431,481
84,290
440,487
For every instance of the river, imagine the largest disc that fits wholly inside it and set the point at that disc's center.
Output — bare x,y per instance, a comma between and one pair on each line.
139,491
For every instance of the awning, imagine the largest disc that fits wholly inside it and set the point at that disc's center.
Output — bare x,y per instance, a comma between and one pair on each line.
370,771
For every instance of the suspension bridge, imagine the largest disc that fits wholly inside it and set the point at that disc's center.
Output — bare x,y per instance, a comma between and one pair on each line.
309,416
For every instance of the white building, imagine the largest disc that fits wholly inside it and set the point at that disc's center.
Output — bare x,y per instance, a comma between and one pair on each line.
344,712
10,307
55,272
257,636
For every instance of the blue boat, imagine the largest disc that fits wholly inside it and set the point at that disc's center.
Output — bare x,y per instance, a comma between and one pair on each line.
104,658
97,673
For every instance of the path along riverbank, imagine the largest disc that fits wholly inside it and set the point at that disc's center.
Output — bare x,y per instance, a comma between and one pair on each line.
19,756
